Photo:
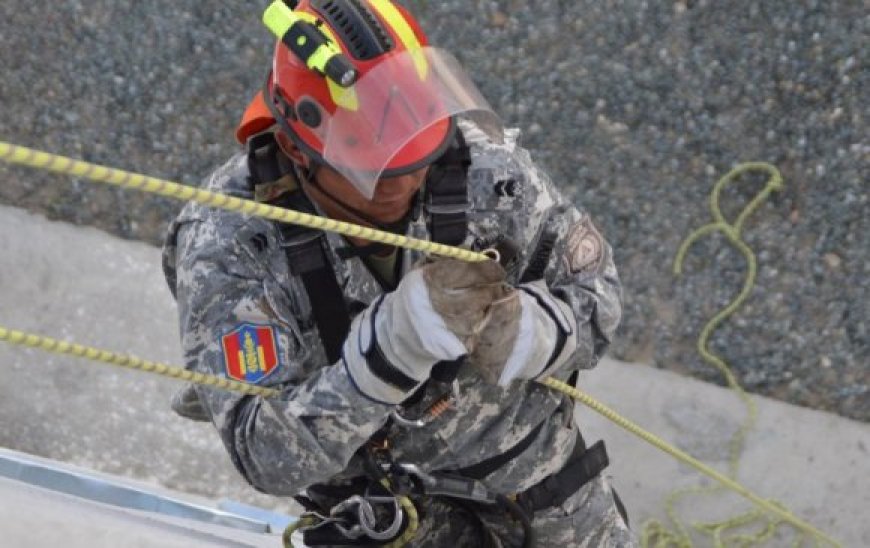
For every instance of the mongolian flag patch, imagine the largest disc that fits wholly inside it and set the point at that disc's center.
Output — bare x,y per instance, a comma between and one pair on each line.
250,352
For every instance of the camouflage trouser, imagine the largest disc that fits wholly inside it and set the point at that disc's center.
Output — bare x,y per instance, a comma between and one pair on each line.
588,519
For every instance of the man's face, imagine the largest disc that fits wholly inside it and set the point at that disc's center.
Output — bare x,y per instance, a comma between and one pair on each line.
391,199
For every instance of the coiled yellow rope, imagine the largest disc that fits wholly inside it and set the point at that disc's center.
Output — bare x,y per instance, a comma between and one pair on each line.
43,160
656,534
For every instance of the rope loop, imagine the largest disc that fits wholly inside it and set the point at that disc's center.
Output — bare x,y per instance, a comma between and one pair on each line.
656,534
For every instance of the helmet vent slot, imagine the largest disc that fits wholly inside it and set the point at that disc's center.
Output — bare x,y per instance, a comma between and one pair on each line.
356,26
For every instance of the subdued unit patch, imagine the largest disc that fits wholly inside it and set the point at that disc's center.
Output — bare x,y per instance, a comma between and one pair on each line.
585,247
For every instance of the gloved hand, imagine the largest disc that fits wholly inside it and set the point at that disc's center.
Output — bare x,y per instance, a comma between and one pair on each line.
462,293
529,332
436,314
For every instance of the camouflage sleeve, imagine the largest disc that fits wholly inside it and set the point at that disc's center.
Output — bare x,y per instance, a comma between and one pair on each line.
233,325
579,270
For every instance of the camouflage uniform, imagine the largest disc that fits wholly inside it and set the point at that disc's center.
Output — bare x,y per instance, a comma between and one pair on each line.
227,269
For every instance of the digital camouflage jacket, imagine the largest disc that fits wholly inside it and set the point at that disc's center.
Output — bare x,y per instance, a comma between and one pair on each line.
243,315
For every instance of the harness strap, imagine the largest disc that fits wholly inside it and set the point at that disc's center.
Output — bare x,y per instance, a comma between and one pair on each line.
584,465
330,313
446,201
540,257
305,248
486,467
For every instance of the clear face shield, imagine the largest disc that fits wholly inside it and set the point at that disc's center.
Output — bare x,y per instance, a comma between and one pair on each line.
397,117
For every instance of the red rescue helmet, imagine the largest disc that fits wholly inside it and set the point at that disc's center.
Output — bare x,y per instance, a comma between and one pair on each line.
392,114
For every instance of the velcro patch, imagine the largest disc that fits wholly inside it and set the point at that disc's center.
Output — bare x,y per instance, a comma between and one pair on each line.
250,352
585,248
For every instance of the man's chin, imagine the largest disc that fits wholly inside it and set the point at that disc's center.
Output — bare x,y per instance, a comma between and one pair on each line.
390,198
389,211
389,203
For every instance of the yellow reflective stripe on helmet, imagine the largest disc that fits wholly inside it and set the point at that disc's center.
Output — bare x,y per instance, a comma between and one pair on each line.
397,22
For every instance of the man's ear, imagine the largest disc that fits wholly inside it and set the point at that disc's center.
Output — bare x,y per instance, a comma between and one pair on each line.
291,150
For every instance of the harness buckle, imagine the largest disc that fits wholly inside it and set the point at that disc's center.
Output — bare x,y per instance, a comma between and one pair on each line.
448,207
449,485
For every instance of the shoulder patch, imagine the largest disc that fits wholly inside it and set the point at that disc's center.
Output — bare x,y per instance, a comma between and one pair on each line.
250,352
585,248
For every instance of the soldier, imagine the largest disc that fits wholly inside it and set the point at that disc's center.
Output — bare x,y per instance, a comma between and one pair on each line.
395,369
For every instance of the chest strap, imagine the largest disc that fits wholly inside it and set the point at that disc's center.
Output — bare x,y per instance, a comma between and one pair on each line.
446,200
486,467
305,248
583,466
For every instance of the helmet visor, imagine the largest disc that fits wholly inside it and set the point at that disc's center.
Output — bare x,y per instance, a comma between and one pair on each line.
397,117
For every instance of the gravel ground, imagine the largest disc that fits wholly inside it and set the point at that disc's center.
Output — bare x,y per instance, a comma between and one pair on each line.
635,107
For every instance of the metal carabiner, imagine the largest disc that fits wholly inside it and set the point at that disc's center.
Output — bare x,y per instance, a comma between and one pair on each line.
367,519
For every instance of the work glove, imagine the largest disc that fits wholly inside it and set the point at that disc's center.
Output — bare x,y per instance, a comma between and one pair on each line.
528,334
437,313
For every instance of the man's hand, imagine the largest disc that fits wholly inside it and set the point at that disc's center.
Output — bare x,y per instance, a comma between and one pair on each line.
463,293
437,313
528,332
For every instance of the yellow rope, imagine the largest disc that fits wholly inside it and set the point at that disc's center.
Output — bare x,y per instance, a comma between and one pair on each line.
682,456
131,362
59,347
301,523
410,512
60,164
15,154
655,533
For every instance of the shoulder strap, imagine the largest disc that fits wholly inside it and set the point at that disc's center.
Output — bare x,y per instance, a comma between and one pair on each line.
446,206
446,201
305,248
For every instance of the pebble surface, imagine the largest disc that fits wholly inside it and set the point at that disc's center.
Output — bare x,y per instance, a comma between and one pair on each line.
635,107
